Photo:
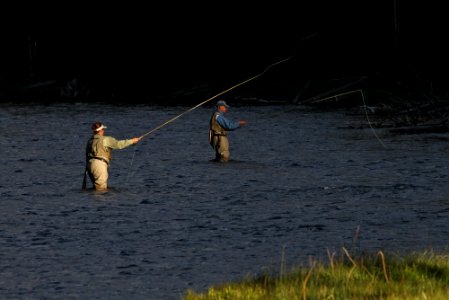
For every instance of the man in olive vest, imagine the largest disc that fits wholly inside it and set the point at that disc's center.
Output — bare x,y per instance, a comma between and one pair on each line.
98,155
218,131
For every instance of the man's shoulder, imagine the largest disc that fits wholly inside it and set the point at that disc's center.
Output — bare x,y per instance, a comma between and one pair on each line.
108,138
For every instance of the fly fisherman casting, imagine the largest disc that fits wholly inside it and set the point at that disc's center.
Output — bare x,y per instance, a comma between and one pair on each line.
98,149
99,155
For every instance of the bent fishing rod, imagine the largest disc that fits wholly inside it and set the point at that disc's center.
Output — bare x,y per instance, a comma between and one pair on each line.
223,92
213,97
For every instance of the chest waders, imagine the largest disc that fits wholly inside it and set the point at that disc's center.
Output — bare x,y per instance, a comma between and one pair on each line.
215,131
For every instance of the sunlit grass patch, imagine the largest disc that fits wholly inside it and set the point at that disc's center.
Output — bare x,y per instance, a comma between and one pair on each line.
422,275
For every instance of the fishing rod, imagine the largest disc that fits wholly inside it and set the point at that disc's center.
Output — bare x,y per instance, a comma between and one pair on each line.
202,103
213,97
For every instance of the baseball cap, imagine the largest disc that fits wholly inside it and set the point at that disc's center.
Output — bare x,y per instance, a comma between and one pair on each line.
222,103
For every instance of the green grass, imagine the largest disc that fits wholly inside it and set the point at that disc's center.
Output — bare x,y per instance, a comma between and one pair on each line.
370,276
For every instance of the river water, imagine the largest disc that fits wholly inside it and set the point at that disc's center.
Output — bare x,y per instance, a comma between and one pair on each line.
301,183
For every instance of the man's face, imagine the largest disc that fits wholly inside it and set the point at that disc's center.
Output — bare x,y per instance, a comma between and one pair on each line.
222,108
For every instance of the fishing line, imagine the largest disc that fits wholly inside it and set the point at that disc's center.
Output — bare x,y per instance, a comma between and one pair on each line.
369,122
365,110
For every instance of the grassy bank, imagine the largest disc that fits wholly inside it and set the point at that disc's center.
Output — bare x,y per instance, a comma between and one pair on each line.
369,276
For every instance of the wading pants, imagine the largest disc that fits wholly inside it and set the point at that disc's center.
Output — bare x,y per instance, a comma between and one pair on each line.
221,146
98,173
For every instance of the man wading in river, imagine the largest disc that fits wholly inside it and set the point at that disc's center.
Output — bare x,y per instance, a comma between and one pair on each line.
218,131
98,155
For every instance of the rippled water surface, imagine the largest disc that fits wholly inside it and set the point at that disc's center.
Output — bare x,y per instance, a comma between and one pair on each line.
300,183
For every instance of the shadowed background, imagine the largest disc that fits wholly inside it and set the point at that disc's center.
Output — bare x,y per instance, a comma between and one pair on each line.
175,50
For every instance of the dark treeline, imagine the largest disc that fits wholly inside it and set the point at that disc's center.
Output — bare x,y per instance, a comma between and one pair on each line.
179,55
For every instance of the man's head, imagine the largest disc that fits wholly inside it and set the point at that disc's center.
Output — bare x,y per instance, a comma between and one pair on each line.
222,105
98,127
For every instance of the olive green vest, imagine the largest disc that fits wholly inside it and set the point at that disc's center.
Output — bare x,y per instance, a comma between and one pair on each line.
215,127
95,148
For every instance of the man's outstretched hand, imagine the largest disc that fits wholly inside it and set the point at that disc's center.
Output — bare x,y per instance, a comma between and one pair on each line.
136,140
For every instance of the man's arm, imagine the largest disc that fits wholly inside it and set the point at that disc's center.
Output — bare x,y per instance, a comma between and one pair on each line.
227,123
113,143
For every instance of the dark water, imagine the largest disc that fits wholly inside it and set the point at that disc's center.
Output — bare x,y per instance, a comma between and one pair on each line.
301,183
